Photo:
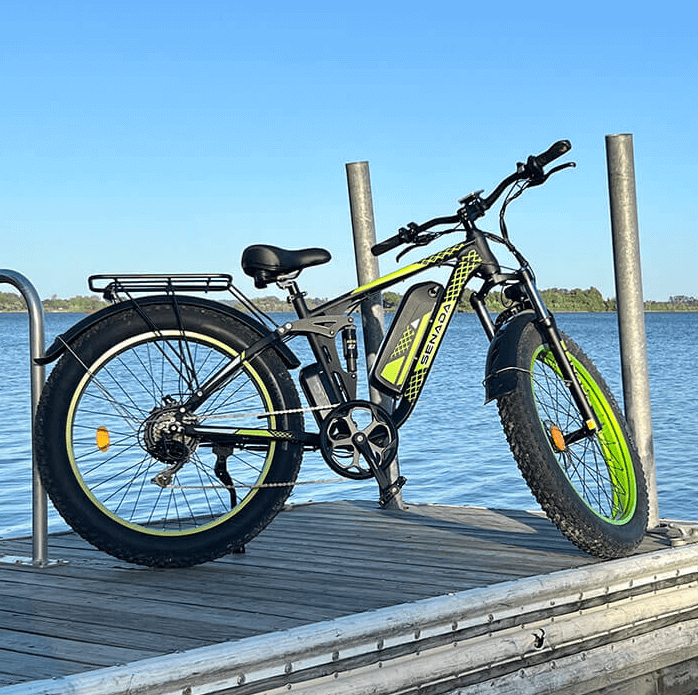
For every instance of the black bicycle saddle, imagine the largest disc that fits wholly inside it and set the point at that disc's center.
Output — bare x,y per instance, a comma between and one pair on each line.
267,263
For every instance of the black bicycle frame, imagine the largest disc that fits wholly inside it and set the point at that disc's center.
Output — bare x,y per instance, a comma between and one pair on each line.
323,325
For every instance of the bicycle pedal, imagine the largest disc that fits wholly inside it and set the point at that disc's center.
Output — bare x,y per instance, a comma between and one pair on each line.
391,491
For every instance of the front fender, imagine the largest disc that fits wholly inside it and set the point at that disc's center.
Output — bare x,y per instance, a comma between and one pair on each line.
59,344
500,376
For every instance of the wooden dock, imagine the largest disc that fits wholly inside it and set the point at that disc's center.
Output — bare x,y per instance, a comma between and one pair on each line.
310,577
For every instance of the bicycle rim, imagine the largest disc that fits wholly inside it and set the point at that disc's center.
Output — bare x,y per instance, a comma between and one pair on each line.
125,399
598,467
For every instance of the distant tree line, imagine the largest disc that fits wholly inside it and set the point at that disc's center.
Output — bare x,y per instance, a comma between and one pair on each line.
271,304
557,300
79,305
10,302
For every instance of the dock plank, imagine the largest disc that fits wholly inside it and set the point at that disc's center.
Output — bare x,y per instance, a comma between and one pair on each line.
314,562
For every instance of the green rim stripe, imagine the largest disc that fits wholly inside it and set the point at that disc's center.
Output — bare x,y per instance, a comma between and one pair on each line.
76,398
610,437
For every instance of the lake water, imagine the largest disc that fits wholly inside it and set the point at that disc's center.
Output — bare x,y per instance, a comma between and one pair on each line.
452,449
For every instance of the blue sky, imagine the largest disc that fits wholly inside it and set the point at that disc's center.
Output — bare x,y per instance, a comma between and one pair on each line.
167,136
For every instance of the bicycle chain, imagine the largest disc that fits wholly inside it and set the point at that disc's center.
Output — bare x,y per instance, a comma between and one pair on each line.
254,487
290,411
262,485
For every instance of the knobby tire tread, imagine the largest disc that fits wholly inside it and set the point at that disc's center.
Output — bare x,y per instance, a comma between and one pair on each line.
542,472
90,522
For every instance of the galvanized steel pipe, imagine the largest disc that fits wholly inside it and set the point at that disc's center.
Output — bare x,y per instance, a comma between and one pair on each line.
372,317
364,230
630,306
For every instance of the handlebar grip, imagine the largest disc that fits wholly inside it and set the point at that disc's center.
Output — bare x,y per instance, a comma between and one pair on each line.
556,150
385,246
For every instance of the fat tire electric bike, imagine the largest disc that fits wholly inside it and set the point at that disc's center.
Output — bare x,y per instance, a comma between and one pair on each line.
170,432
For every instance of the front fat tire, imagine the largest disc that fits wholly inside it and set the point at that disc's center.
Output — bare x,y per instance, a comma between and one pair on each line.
102,391
593,490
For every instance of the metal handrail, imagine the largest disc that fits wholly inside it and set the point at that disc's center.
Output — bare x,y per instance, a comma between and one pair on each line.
36,349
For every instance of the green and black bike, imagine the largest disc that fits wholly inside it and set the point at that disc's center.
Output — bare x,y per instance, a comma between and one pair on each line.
171,432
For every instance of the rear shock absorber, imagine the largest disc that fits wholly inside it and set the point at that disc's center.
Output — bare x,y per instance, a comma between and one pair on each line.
351,350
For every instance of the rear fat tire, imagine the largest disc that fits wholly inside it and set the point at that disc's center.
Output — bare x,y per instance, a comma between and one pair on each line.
112,378
593,490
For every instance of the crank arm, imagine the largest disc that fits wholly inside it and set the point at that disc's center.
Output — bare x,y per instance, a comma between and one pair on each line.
388,489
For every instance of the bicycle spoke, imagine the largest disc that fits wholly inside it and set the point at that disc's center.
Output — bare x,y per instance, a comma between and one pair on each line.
589,470
120,399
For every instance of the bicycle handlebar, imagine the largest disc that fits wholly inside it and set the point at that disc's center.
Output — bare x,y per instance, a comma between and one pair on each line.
532,170
410,233
555,150
387,245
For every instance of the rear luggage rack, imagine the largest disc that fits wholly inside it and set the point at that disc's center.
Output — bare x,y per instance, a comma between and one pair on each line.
109,286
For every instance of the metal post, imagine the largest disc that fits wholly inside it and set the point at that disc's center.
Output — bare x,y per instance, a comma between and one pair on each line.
372,317
36,349
630,306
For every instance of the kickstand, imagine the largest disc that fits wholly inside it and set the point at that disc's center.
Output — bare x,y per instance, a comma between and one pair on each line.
221,471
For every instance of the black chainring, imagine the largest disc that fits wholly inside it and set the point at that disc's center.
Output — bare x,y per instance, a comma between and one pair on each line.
339,430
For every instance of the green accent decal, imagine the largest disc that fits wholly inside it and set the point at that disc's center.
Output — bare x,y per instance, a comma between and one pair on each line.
614,450
391,371
435,259
466,265
395,371
268,434
390,278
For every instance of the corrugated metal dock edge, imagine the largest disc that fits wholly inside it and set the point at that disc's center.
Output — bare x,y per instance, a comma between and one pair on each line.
584,630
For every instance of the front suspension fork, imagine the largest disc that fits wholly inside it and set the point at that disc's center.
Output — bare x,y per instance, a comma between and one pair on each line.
546,321
549,328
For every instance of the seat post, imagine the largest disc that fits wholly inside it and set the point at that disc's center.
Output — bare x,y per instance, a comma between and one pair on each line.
296,298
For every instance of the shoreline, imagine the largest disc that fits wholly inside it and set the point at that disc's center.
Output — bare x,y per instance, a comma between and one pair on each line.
392,311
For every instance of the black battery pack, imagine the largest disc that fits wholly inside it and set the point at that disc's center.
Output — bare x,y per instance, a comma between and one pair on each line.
405,337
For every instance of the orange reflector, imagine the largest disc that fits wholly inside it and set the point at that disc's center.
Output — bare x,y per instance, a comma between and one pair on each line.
102,438
558,438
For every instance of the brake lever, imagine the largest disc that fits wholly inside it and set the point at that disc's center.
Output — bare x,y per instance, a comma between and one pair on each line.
560,167
422,240
542,177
